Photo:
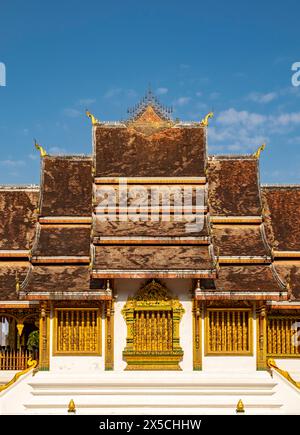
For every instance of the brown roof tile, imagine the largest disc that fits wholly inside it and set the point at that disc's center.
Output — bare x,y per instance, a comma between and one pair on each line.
63,241
245,278
53,278
66,186
17,218
8,271
234,187
290,273
152,257
124,152
239,240
282,217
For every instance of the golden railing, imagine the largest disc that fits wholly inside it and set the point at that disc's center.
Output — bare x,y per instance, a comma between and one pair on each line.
14,359
77,331
282,336
153,330
30,365
228,331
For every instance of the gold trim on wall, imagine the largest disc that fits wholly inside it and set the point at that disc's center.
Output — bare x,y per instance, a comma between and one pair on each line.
280,336
109,335
197,335
152,317
79,331
230,328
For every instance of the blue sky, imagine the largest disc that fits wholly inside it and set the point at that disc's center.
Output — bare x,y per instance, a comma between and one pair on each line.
233,57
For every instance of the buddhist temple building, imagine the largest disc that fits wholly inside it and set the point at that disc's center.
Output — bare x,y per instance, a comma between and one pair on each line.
152,267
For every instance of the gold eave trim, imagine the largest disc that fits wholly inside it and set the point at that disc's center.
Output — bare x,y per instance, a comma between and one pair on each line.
284,305
244,259
58,259
65,220
18,304
185,213
72,294
150,180
106,240
244,295
287,254
18,253
182,273
236,219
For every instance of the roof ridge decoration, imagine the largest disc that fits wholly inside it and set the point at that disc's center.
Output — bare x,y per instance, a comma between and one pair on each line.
149,101
42,151
259,150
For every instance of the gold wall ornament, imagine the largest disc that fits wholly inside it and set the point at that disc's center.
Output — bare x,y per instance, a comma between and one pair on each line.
261,336
153,316
17,283
272,364
109,335
42,151
197,332
44,345
240,407
77,331
71,407
228,331
92,118
204,122
259,150
281,336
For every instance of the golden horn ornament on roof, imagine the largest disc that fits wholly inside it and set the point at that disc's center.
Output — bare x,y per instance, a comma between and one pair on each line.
204,122
259,150
92,117
42,151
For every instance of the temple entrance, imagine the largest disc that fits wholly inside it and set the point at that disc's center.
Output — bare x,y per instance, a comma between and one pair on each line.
17,342
153,316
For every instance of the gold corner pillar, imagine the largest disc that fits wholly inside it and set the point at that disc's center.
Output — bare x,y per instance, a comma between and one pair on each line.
44,348
261,337
197,338
109,335
153,317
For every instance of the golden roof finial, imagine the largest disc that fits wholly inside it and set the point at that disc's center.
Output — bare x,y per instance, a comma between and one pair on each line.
72,407
259,150
92,118
240,407
40,149
204,122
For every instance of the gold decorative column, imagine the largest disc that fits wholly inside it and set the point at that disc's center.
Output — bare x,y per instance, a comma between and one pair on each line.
44,352
109,335
261,338
197,341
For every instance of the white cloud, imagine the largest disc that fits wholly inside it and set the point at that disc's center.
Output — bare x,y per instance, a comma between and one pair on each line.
262,98
72,113
12,163
116,92
57,151
161,91
86,102
233,117
199,94
214,95
182,101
